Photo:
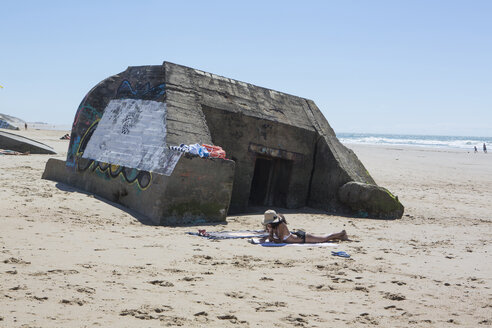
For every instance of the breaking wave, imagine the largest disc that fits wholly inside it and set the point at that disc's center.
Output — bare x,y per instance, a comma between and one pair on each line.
454,142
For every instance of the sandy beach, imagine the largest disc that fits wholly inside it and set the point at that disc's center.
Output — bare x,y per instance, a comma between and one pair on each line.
71,259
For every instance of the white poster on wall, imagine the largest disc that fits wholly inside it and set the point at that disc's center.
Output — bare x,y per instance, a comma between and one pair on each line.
132,133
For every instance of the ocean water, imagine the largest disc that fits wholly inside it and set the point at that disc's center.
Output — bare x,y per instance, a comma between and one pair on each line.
441,142
48,126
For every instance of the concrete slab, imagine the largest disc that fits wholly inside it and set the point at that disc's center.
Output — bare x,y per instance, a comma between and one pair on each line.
11,122
199,190
22,144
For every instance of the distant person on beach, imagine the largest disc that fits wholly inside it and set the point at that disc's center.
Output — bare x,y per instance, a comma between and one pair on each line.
484,148
476,150
25,126
276,226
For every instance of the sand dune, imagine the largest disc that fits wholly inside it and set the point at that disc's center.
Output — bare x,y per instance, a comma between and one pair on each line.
70,259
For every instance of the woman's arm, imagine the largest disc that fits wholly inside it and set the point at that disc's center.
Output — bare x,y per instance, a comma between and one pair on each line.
271,238
263,239
281,231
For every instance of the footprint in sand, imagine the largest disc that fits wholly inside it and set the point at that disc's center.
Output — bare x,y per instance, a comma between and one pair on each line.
365,318
362,289
245,261
40,298
399,283
297,321
340,280
64,272
235,294
73,301
266,279
86,290
394,297
56,271
174,270
270,306
148,312
202,259
13,260
321,288
161,283
87,265
232,318
201,316
286,264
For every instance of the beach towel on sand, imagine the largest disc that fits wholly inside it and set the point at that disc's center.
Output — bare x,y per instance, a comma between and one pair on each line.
256,241
230,234
12,152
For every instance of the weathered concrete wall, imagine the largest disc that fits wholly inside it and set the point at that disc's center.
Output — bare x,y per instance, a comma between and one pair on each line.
189,89
11,122
6,125
374,200
198,190
334,166
245,138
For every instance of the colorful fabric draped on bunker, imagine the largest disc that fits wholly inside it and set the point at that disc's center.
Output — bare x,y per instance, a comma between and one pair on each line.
203,151
215,151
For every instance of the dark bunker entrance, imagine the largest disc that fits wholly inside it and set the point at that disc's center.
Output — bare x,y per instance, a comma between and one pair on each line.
270,183
273,161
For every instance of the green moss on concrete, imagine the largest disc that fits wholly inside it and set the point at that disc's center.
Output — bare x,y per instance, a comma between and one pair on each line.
390,194
209,210
376,201
384,205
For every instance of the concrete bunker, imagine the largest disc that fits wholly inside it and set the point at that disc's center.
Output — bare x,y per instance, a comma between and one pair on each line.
282,151
10,122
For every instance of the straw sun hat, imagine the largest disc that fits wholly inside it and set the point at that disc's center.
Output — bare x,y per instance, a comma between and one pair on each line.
270,216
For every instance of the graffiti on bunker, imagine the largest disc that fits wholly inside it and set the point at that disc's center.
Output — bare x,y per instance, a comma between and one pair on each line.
132,133
144,92
85,118
4,125
86,121
143,179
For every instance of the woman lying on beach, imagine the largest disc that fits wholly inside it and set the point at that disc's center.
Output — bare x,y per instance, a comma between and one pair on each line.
276,225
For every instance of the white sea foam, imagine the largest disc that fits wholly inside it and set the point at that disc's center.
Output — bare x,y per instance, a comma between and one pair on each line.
466,143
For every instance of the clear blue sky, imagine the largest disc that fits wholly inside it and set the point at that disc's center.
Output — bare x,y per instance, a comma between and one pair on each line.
415,67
